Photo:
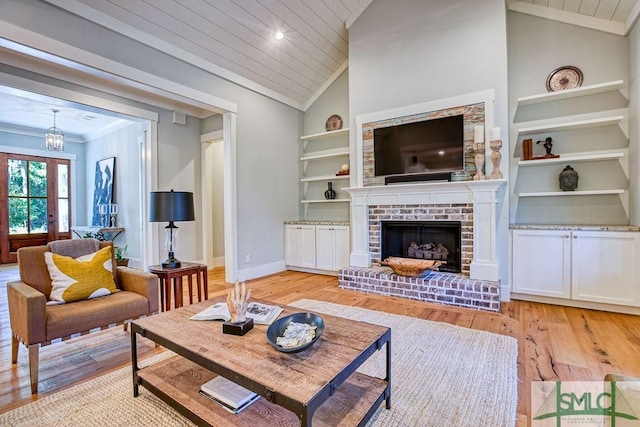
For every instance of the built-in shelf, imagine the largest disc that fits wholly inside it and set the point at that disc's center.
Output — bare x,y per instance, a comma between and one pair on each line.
324,178
323,135
572,193
571,93
584,157
325,201
325,154
570,125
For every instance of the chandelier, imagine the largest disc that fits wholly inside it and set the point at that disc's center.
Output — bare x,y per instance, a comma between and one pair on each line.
54,140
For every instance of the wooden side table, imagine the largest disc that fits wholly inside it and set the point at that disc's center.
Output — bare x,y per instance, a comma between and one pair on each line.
169,276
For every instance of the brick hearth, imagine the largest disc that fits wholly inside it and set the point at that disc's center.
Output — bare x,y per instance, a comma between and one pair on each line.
443,288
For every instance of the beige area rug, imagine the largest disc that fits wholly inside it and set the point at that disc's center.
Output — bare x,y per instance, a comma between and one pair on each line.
442,375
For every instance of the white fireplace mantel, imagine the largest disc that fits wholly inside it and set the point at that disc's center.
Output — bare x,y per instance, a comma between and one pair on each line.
483,195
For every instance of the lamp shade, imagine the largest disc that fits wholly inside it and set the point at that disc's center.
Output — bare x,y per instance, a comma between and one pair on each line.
167,206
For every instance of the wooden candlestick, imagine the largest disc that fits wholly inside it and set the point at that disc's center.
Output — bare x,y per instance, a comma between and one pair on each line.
479,161
496,157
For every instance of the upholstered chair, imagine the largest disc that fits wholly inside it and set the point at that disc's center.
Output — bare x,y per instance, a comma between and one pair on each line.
37,319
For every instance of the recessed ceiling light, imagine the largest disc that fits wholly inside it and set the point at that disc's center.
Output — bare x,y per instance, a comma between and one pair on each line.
278,35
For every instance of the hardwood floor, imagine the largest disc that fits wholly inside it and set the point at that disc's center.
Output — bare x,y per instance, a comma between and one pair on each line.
555,343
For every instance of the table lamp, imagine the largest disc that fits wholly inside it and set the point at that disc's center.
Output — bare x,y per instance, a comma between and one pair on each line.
170,206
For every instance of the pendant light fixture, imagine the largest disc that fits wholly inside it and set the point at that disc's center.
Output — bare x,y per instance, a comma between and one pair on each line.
54,140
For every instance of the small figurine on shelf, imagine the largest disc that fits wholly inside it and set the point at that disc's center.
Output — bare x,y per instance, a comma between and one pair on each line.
547,146
568,179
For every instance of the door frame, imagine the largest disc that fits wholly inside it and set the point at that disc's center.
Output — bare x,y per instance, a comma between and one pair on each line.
208,142
151,233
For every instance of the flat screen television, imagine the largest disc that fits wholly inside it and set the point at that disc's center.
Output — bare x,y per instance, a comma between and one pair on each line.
428,147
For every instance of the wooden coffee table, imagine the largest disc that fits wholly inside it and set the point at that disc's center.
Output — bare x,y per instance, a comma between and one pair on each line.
318,385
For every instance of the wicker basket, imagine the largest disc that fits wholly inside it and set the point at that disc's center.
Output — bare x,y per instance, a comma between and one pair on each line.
411,267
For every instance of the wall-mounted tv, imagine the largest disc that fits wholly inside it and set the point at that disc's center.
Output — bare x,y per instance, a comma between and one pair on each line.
426,147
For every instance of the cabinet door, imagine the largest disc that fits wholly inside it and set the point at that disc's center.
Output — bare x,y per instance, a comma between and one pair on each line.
604,267
300,246
541,262
324,247
332,247
342,247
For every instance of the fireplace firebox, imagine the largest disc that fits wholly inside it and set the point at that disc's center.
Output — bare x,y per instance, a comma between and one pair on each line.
434,240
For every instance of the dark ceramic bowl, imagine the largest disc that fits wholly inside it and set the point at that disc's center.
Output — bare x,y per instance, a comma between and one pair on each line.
276,329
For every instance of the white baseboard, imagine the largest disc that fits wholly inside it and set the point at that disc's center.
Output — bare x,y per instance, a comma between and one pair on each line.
312,270
261,270
217,262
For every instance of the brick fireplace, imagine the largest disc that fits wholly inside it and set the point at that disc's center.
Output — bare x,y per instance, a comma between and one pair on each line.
474,204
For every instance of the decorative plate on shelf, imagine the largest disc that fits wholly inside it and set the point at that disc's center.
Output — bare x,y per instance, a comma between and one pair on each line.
333,123
562,78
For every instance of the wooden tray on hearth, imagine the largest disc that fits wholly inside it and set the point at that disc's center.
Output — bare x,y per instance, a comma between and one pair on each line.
410,266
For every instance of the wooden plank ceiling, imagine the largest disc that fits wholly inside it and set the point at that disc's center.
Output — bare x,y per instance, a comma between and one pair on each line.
234,38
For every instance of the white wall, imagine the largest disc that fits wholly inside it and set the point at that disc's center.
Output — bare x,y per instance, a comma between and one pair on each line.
267,134
416,51
123,145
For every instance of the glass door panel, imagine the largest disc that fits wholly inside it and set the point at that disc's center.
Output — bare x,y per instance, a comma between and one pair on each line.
63,198
35,202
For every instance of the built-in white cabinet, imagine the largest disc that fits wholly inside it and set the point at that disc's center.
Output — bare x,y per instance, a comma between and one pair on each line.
332,247
300,246
323,154
594,266
317,247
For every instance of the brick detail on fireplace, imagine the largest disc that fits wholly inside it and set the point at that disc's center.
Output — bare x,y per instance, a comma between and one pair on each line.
462,212
442,288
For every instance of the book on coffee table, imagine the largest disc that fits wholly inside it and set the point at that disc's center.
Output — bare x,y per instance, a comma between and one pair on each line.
227,394
261,314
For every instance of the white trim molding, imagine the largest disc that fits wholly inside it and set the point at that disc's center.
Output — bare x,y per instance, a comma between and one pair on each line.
36,45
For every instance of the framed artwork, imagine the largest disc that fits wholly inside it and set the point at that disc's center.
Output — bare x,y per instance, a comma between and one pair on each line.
103,188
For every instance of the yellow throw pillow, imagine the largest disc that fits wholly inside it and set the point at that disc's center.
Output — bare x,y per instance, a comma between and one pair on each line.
88,276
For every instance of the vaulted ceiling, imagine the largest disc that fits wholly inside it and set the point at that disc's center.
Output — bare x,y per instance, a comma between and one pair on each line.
234,38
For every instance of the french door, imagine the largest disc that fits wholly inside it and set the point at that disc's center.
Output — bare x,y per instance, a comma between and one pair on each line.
35,204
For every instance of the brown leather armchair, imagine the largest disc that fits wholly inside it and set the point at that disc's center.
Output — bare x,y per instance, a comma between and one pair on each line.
34,323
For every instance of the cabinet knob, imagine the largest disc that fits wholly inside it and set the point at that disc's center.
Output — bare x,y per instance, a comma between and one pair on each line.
575,237
566,236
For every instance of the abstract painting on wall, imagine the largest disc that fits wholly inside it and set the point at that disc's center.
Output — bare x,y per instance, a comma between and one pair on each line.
103,190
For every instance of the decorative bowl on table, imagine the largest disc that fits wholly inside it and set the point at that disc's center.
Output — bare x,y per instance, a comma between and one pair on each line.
277,329
411,267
